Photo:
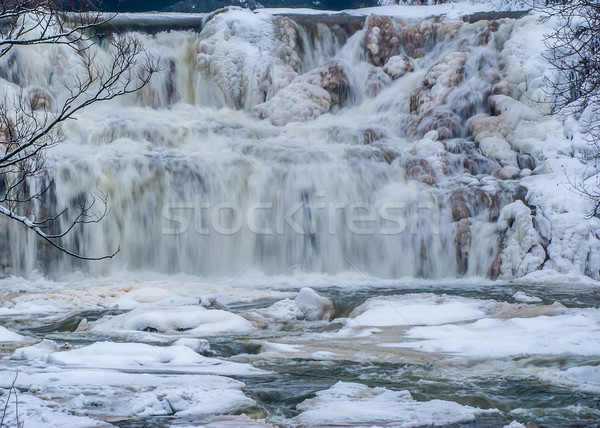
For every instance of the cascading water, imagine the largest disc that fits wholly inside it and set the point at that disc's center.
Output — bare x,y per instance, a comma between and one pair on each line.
389,182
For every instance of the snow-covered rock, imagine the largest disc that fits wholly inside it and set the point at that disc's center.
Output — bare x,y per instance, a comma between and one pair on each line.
244,57
309,95
184,320
397,66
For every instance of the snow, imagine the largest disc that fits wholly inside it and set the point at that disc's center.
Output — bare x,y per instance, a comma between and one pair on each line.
413,310
10,336
196,321
575,333
520,296
313,306
147,358
308,305
354,404
96,392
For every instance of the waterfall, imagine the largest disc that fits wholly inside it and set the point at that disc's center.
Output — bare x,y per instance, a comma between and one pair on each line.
286,144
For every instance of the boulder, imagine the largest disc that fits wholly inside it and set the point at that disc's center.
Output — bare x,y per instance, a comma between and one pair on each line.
397,66
421,170
313,306
443,120
40,99
381,40
459,207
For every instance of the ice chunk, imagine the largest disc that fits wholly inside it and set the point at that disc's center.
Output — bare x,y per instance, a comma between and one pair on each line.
313,306
139,356
188,320
10,336
576,332
356,404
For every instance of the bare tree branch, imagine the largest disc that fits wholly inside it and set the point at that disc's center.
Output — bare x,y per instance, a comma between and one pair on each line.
31,118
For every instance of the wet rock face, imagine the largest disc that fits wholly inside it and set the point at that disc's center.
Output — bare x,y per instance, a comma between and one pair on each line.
443,120
381,40
462,238
458,201
370,135
421,170
417,39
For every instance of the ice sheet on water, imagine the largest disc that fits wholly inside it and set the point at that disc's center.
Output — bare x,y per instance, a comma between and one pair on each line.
354,404
107,392
575,332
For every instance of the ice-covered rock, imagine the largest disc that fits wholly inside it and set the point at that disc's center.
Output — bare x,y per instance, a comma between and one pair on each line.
308,305
354,404
201,346
520,296
381,39
40,99
38,351
523,252
245,58
313,306
397,66
309,95
188,320
377,80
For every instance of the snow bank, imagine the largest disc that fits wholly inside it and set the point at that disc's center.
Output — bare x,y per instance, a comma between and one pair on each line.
356,404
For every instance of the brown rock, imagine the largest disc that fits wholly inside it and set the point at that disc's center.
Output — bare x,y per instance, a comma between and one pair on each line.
370,135
421,170
443,120
381,39
40,99
460,209
462,237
